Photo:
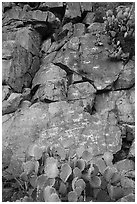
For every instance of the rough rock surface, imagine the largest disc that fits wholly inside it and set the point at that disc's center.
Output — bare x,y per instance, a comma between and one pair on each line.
52,81
59,84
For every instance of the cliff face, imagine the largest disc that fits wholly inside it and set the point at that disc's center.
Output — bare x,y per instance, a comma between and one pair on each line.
60,85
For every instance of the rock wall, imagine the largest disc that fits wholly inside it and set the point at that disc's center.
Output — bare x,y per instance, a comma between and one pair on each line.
59,86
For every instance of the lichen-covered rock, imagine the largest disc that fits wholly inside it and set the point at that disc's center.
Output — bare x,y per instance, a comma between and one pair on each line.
95,63
51,123
19,65
81,90
22,129
91,61
61,88
53,83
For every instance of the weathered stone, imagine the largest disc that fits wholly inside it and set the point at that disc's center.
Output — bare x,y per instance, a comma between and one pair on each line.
132,150
81,90
120,101
106,101
20,130
130,132
52,18
73,10
86,6
51,123
79,29
69,27
18,64
12,14
46,45
95,63
8,49
89,19
73,43
96,28
26,94
28,39
26,14
91,61
25,104
69,58
53,85
127,183
125,106
127,76
125,165
50,4
57,45
7,5
47,59
35,65
83,128
76,78
11,104
39,15
128,198
6,91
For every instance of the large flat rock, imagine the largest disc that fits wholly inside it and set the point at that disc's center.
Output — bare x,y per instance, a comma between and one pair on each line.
54,123
90,60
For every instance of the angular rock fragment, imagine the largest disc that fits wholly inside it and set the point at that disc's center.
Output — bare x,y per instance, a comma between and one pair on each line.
53,83
79,29
18,64
127,76
11,104
81,90
73,10
125,165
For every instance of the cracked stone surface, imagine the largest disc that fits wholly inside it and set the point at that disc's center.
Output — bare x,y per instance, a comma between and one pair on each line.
59,85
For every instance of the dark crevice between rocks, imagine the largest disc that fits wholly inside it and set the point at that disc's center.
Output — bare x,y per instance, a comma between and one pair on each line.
83,15
123,88
90,109
64,67
70,72
34,89
125,123
103,91
45,100
72,20
88,80
123,153
59,12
